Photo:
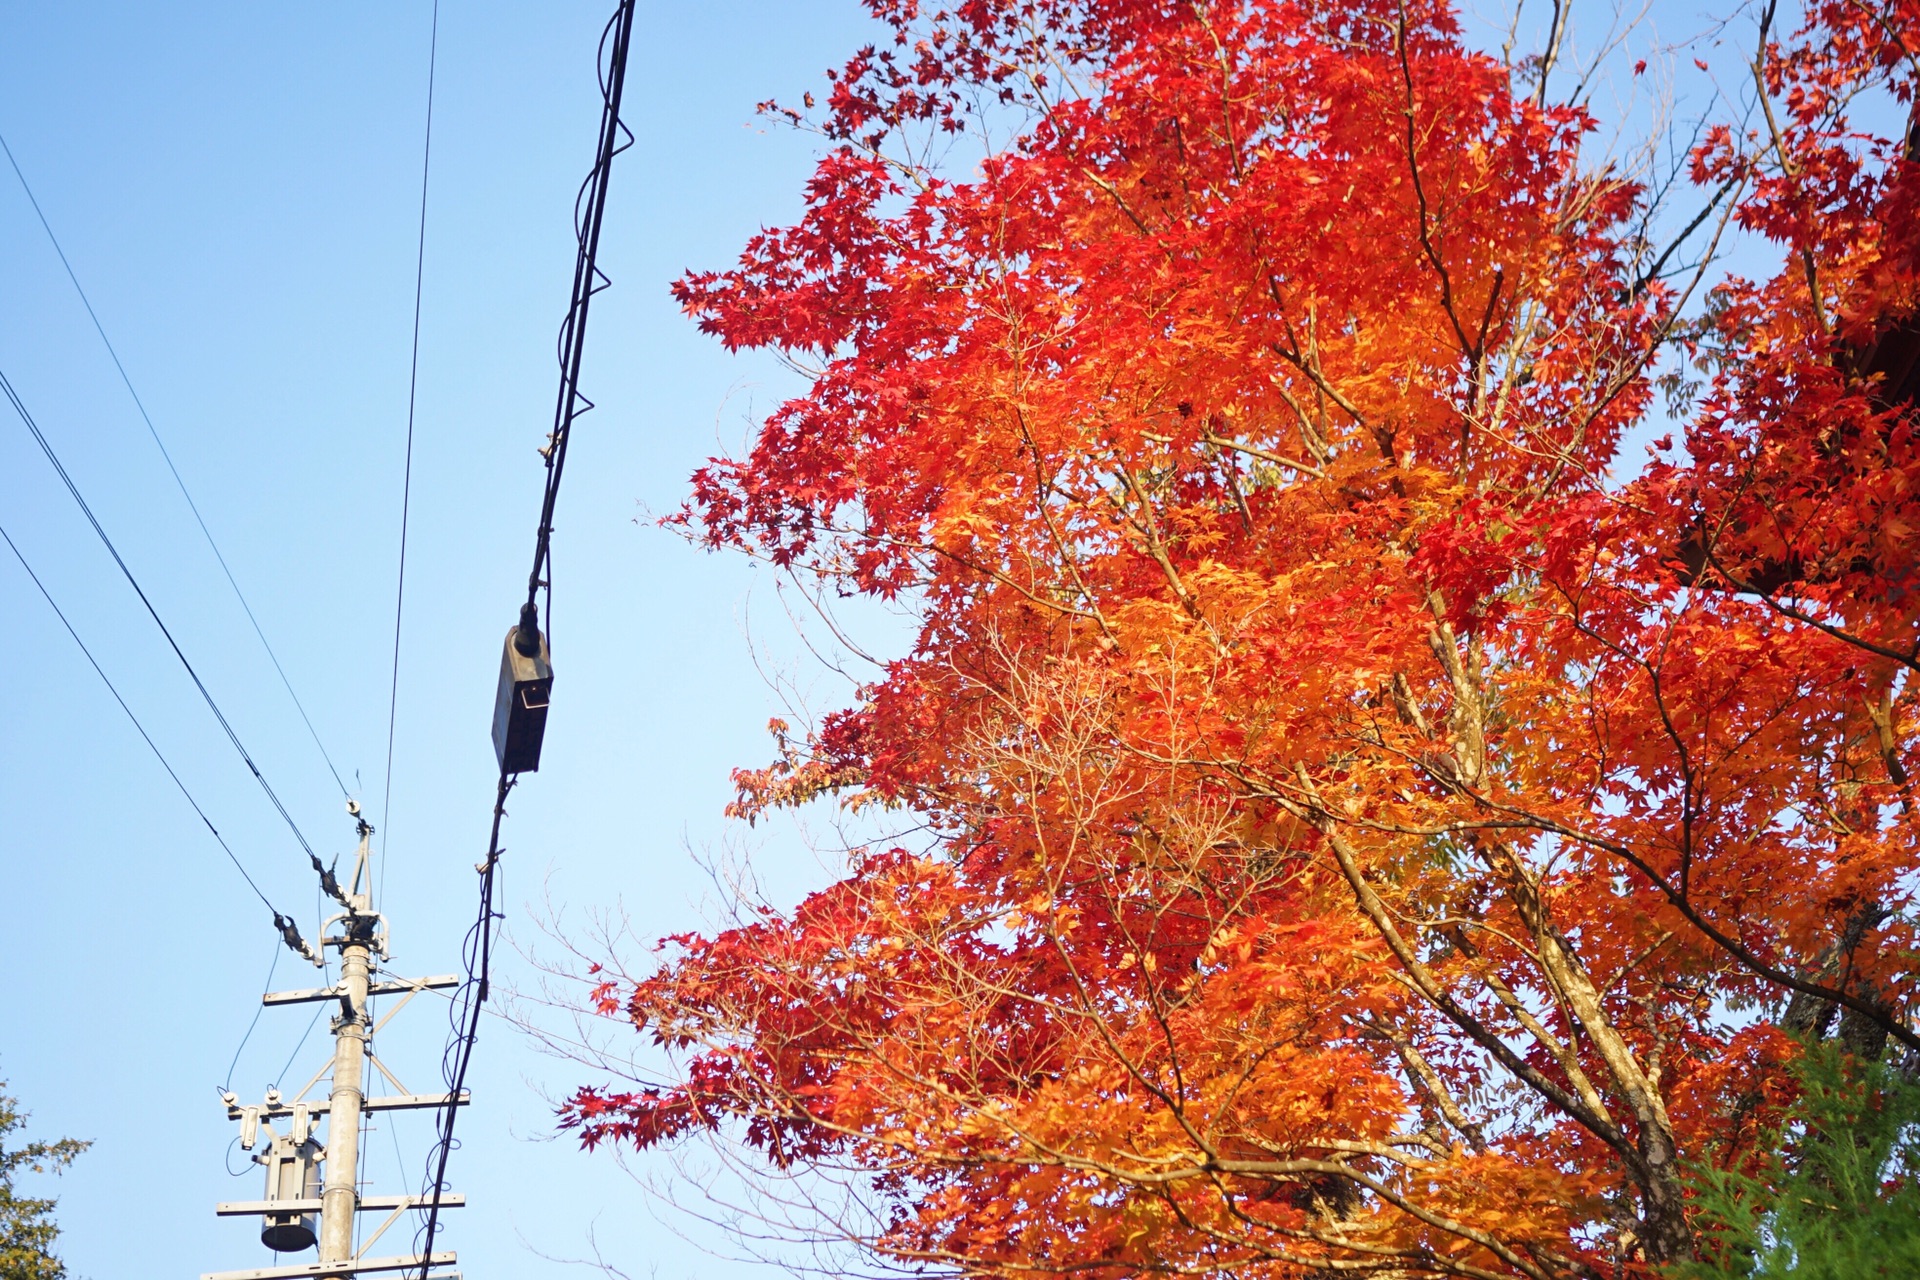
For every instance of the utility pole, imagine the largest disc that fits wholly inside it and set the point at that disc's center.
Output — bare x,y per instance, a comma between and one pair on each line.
339,1202
294,1159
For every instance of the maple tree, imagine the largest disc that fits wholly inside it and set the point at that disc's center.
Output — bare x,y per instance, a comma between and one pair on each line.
1366,835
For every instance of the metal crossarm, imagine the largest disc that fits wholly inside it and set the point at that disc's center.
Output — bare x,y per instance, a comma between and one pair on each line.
439,982
392,1102
368,1204
344,1267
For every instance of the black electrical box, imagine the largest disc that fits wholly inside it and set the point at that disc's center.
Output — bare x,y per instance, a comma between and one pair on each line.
520,703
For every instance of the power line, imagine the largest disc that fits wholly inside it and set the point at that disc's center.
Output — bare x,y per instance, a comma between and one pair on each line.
272,964
464,1014
161,445
73,489
589,215
138,727
304,1036
590,207
406,483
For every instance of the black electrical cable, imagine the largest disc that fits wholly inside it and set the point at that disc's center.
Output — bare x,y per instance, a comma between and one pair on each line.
46,448
312,1022
611,65
272,965
406,483
138,727
161,445
464,1013
587,281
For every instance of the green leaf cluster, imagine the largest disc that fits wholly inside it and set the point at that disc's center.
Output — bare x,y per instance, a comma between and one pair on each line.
27,1228
1839,1198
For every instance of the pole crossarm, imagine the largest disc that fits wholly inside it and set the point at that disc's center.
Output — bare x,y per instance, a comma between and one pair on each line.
403,986
344,1267
392,1102
368,1204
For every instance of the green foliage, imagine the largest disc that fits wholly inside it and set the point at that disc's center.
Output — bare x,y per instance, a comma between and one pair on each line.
1839,1199
27,1229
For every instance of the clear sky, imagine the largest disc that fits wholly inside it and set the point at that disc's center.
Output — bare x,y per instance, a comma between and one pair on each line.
236,185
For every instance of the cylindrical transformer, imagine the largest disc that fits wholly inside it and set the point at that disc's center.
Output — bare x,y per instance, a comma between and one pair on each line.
293,1173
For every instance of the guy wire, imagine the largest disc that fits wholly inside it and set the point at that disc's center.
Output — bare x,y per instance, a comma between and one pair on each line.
153,431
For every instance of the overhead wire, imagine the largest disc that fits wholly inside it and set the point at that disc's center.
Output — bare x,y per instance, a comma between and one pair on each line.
40,438
588,280
153,431
589,217
464,1015
406,483
272,966
312,1022
140,728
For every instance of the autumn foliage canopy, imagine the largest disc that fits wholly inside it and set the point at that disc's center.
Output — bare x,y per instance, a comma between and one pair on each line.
1373,818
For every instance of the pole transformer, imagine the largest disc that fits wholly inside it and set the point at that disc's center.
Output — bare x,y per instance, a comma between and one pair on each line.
312,1199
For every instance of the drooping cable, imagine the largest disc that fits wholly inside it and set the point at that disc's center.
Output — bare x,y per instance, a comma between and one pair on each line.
589,216
406,482
138,727
153,431
287,1066
273,964
33,427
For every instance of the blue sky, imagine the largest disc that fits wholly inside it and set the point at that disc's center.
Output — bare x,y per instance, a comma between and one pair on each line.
236,186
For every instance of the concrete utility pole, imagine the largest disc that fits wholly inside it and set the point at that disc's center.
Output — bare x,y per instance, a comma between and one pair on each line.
293,1159
340,1201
